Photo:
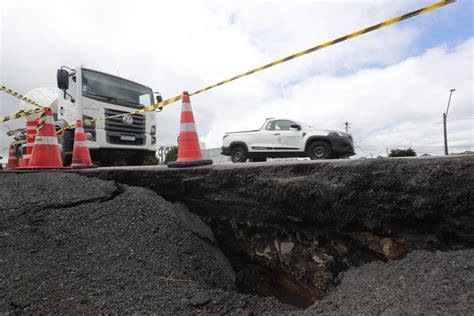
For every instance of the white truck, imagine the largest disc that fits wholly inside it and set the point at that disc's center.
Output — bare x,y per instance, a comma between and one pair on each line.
85,93
281,138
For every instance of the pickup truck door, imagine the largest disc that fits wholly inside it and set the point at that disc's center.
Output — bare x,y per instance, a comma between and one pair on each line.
286,139
263,139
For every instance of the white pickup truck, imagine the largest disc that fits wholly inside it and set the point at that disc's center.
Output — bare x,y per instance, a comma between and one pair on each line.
280,138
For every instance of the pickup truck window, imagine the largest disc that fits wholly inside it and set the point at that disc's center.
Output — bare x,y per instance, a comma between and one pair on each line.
270,126
283,125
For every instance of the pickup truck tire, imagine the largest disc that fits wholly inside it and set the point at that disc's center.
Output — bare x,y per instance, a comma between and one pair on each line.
238,154
319,150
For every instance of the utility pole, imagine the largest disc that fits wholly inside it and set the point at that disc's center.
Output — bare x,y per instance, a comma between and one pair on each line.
347,127
445,115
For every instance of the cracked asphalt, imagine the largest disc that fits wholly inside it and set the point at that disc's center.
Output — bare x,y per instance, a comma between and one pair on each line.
70,244
73,244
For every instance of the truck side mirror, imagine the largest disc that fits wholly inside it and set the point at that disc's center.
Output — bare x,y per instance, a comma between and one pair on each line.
295,127
62,77
159,98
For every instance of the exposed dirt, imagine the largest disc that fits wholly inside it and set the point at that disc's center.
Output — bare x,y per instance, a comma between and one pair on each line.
295,227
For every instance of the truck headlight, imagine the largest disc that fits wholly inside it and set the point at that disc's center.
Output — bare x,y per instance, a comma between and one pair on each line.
153,140
153,129
90,136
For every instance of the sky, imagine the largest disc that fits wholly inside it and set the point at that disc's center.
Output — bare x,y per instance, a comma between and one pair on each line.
392,85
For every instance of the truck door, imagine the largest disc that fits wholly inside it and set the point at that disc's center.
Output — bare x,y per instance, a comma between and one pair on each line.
263,139
285,138
67,108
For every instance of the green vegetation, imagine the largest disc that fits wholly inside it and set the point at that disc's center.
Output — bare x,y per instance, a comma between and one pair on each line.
396,152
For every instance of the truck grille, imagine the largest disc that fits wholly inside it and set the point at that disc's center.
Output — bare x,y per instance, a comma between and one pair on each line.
115,128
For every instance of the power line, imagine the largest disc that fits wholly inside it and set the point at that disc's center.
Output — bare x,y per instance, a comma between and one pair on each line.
433,146
416,127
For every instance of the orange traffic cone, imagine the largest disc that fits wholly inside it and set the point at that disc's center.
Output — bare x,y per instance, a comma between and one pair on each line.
12,161
46,154
189,152
30,140
81,158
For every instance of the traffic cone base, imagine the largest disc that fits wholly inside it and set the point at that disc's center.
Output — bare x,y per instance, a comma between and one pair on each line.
189,151
25,161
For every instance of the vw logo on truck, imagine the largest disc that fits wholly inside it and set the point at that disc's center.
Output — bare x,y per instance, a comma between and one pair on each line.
127,120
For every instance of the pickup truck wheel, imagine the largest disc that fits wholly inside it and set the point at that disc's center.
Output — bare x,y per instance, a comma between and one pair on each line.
319,150
238,154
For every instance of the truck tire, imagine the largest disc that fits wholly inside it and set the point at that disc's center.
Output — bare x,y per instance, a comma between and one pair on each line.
106,162
238,154
319,150
66,144
136,159
19,152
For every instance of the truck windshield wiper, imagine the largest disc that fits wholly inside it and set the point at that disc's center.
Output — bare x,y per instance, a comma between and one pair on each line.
102,96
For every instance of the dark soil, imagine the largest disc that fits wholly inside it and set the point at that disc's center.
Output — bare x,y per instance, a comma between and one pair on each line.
427,283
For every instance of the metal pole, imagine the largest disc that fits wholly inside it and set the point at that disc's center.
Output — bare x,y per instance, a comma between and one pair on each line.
445,115
445,135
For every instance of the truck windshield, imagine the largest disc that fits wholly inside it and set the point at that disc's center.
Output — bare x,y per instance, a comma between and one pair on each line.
115,90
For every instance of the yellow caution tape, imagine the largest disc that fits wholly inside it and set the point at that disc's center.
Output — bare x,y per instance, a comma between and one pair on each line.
19,96
310,50
277,62
330,43
21,113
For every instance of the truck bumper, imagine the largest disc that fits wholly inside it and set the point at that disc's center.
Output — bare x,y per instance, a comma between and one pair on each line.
342,147
225,151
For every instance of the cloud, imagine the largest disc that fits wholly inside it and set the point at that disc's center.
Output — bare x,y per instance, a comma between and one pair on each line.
176,46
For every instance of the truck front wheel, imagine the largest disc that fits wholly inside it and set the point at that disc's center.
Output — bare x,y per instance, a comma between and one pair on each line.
238,154
66,144
319,150
136,159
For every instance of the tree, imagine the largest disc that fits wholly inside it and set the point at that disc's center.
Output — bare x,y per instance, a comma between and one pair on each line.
396,152
172,155
150,159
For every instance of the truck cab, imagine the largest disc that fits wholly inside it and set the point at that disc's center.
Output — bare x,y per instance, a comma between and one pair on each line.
88,94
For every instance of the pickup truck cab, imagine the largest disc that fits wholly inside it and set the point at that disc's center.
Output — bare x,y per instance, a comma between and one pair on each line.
280,138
